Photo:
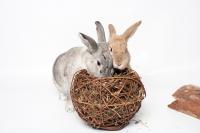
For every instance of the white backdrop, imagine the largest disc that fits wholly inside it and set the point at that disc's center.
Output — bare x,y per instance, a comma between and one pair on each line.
165,52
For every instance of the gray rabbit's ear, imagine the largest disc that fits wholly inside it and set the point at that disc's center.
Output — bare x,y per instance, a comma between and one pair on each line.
100,32
89,42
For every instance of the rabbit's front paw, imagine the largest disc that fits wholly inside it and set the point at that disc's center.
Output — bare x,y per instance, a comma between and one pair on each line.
69,107
62,97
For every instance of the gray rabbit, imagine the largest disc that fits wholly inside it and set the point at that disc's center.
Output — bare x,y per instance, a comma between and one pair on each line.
95,58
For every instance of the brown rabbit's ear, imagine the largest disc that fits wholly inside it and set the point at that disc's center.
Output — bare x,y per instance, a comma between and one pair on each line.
131,30
111,29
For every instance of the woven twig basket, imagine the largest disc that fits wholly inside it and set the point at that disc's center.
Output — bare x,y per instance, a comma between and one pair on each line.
108,102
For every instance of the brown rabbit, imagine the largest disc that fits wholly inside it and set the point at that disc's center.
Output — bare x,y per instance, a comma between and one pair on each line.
118,46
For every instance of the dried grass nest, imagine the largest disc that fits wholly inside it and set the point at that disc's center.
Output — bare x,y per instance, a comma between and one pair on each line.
108,102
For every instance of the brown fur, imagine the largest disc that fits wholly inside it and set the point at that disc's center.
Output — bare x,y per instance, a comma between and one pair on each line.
118,46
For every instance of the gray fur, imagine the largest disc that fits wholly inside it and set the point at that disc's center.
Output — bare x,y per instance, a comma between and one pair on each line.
77,58
89,42
100,32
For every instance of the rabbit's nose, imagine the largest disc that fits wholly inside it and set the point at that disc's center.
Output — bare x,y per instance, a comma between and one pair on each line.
119,64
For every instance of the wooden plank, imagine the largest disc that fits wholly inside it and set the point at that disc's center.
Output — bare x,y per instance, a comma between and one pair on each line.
187,100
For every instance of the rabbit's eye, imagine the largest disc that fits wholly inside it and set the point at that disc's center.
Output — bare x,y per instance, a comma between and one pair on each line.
98,63
110,49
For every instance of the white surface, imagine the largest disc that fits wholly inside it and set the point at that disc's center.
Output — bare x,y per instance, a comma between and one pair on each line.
165,52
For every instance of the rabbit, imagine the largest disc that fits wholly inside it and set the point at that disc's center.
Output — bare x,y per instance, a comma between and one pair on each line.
95,58
118,46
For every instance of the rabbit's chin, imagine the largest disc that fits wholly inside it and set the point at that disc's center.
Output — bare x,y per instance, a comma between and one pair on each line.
94,74
121,67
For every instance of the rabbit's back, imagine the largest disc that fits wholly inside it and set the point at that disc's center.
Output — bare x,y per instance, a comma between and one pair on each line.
66,65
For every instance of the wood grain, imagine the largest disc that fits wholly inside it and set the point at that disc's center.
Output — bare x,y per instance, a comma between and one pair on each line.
187,100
